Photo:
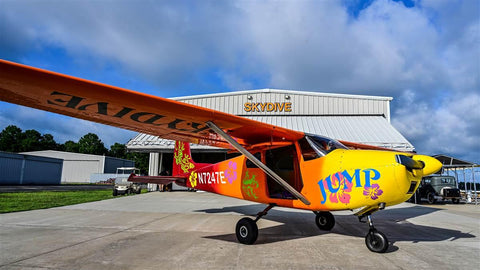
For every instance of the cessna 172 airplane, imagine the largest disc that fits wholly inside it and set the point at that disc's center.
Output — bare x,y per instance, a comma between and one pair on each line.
276,166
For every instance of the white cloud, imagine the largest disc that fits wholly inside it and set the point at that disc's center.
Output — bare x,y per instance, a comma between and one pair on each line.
428,53
451,127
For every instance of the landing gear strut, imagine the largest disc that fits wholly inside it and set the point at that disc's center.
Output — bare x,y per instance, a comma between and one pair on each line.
376,241
247,229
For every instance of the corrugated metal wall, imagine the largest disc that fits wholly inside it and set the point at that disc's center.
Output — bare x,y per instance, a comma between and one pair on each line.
111,164
17,169
301,103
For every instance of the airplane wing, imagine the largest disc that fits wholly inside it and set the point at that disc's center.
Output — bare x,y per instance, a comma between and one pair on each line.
352,145
59,93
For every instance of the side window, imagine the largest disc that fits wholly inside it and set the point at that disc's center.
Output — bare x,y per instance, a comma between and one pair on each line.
307,151
250,164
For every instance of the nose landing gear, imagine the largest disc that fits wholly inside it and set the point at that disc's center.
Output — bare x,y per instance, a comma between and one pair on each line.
375,240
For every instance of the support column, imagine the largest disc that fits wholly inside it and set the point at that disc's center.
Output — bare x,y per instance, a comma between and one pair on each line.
153,164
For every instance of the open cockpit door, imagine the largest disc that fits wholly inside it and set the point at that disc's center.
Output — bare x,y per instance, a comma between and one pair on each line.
284,162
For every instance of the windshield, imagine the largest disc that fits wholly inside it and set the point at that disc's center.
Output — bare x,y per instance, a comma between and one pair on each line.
445,181
323,145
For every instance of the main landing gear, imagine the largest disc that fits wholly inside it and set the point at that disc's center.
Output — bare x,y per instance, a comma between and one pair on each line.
324,220
247,230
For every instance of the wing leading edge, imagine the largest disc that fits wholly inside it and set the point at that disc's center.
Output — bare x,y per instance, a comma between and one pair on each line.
79,98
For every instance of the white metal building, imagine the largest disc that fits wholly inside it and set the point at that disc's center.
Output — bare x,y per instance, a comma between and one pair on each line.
355,118
78,168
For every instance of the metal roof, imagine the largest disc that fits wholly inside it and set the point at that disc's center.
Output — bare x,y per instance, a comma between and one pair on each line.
451,162
355,118
372,130
282,91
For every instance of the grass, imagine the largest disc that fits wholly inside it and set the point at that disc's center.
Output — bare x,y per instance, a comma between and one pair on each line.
23,201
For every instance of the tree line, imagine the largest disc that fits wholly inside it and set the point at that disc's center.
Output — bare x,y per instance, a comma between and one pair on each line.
13,139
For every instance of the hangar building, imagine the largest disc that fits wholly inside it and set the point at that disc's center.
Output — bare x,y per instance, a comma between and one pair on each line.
78,168
355,118
18,169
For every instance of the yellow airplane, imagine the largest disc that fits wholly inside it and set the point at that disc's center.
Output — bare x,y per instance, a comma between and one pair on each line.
275,166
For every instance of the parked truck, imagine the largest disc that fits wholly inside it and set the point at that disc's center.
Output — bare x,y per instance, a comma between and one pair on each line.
437,187
122,186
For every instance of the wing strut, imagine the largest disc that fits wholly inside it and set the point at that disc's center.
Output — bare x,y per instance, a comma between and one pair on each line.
257,162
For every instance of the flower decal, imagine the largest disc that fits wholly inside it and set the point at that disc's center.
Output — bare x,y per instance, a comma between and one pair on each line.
193,179
344,188
373,192
183,160
231,172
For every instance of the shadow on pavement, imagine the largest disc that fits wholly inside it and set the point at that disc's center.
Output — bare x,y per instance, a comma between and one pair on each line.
297,224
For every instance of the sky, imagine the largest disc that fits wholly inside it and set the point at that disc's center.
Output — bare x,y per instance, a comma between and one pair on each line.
423,53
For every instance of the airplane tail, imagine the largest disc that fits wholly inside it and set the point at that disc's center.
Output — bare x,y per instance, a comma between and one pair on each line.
183,165
183,162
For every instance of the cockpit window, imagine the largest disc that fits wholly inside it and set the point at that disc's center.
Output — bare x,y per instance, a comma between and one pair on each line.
308,152
322,145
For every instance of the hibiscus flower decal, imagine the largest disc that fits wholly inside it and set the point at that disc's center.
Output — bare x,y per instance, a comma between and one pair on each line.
344,189
373,192
231,172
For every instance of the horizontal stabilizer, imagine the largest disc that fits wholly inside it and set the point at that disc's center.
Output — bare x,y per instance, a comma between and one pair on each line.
161,180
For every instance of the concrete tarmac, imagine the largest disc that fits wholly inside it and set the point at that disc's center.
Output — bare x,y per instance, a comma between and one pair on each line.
184,230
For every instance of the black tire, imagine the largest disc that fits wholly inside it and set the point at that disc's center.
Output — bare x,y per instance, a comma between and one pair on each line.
325,221
246,231
376,241
115,193
455,201
431,198
139,191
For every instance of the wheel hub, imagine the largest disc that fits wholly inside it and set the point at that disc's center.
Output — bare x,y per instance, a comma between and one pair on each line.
243,231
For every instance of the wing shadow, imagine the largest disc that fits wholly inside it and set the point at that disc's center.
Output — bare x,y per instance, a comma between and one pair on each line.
301,224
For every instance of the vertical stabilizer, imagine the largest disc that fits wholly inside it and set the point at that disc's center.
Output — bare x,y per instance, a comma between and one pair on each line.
182,159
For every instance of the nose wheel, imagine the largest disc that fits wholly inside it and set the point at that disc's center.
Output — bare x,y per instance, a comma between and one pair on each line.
376,241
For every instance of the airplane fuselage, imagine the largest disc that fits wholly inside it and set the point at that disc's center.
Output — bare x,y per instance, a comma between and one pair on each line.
342,179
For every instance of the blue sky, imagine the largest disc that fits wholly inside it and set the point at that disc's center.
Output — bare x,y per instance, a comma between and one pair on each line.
425,54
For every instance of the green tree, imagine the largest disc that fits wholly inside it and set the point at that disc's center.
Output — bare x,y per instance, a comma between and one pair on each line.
30,141
70,146
48,143
141,161
10,139
118,150
91,144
